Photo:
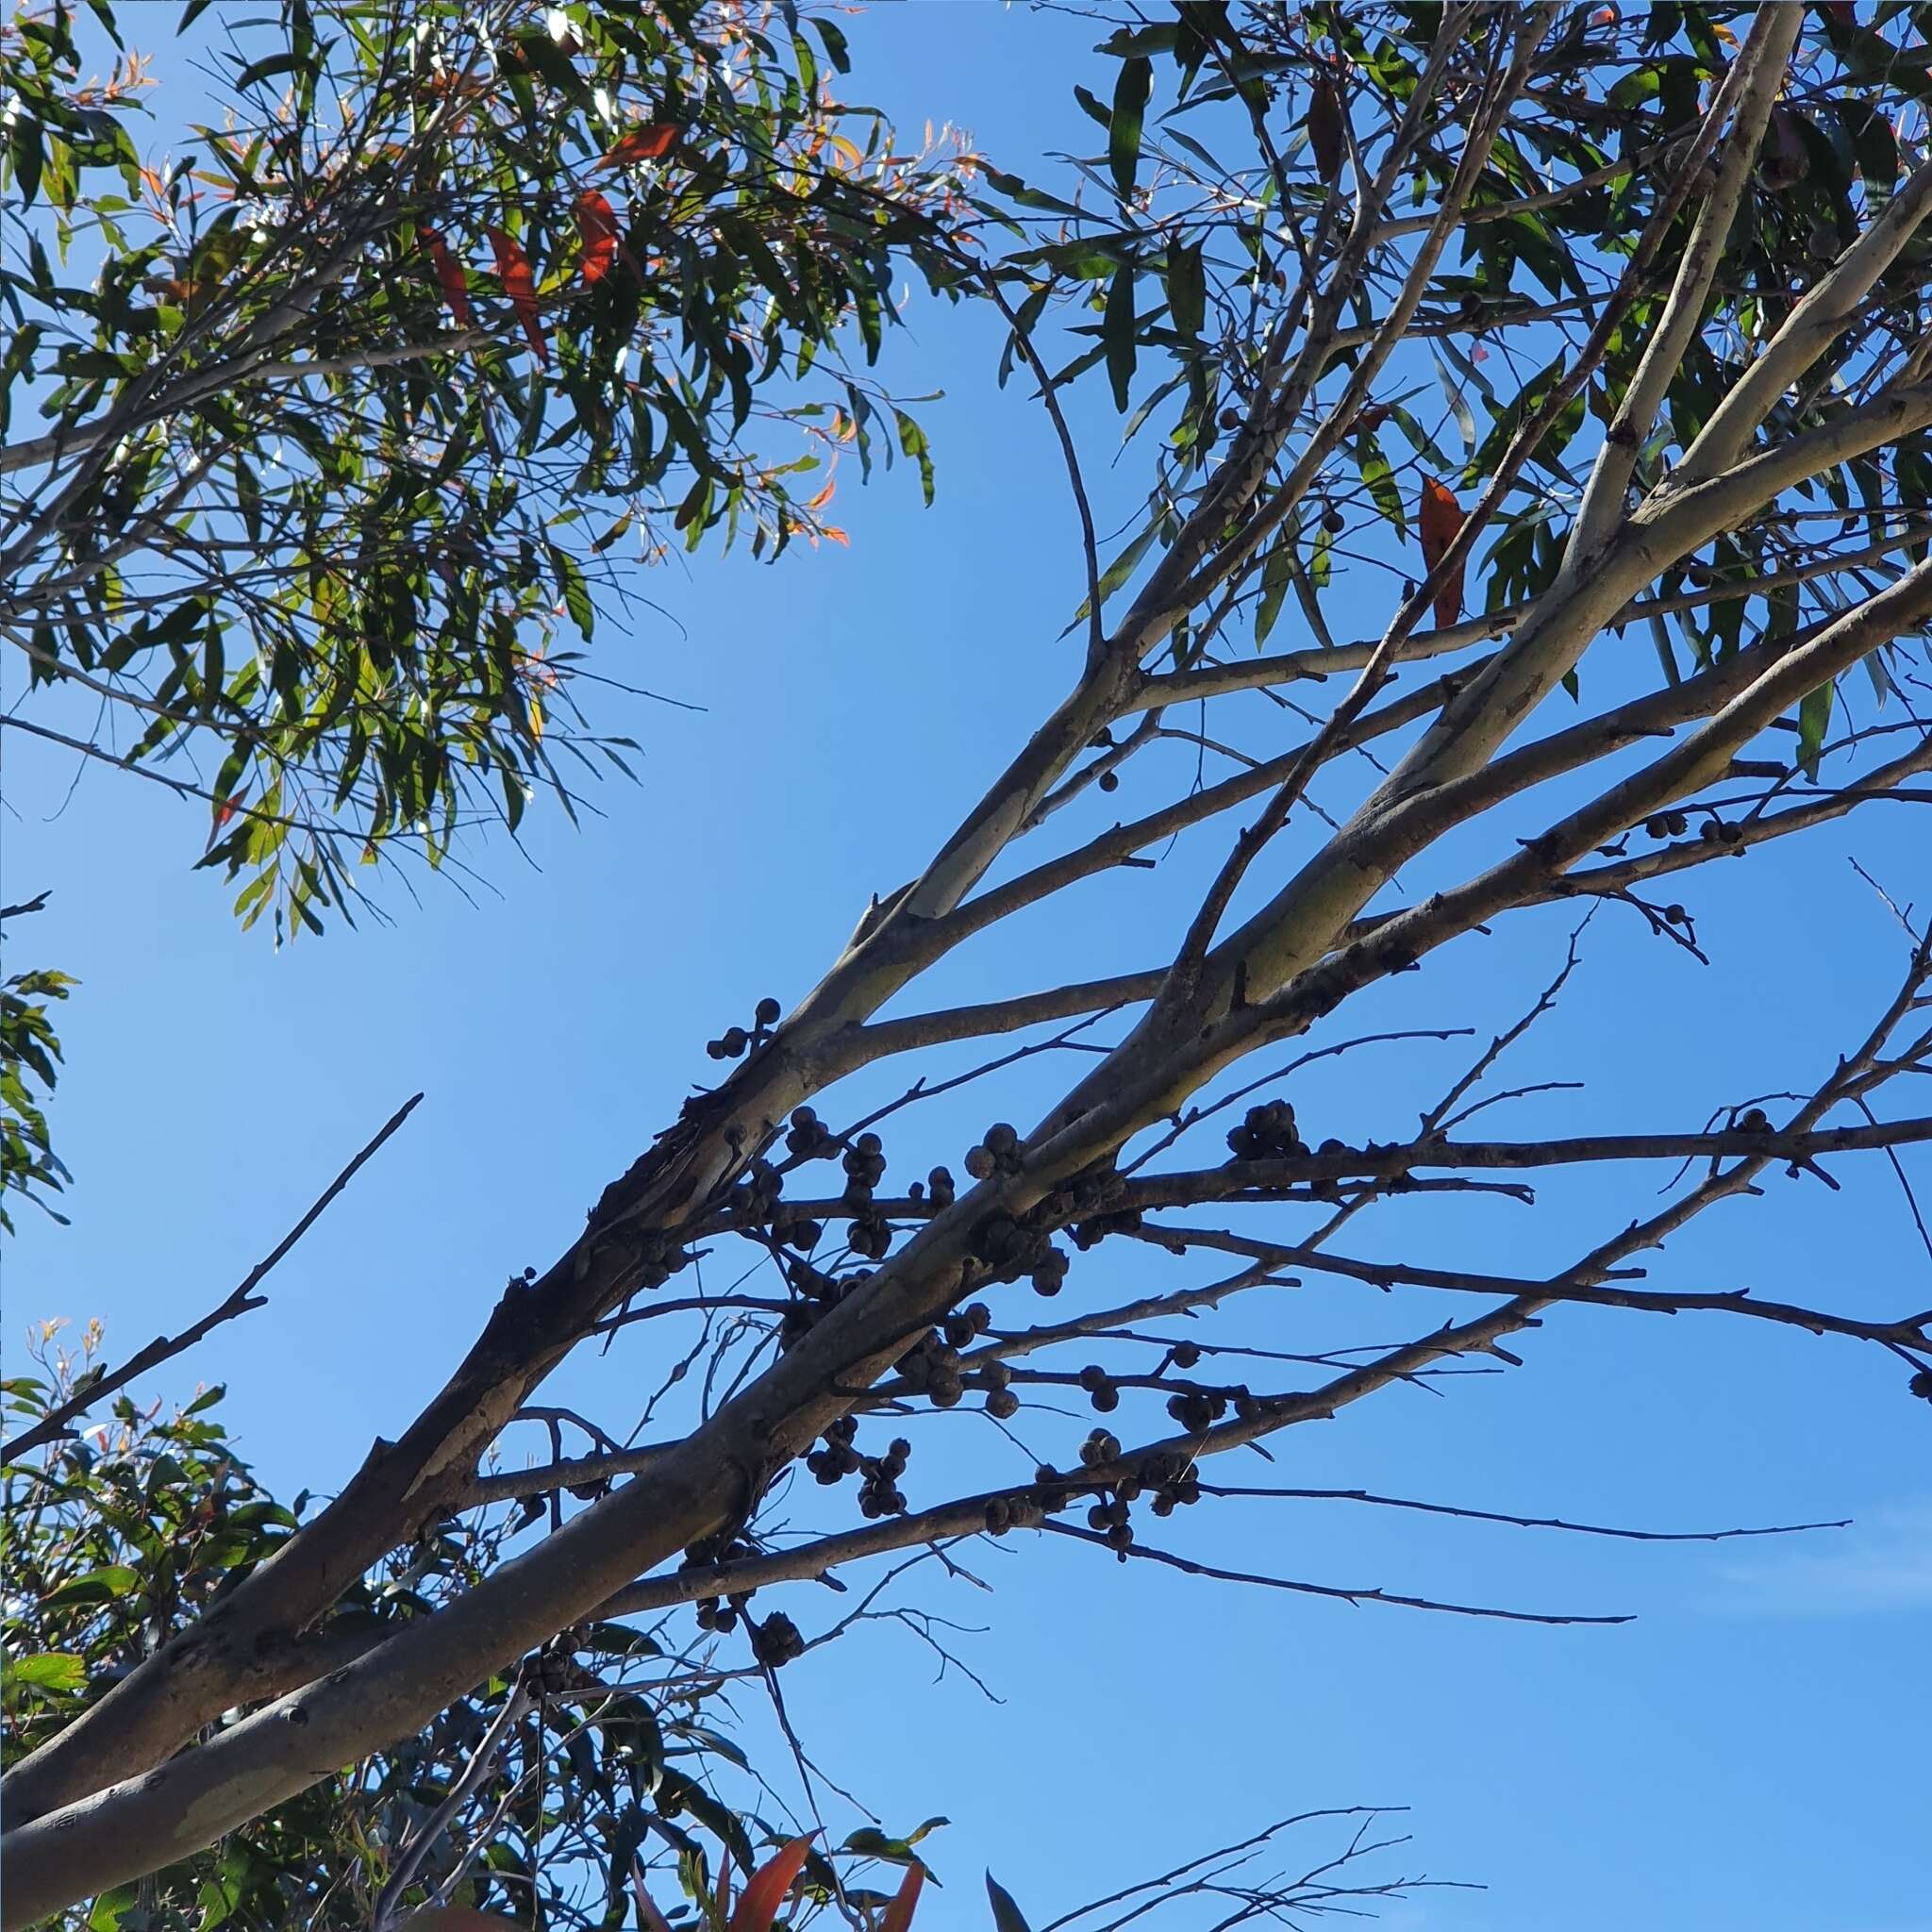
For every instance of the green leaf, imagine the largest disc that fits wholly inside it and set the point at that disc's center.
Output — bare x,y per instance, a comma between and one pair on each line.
1117,336
1417,437
1091,105
1321,563
1123,567
1876,670
550,60
1380,480
1130,95
1006,1916
23,145
1814,719
1015,189
1187,290
1128,43
835,44
96,1587
913,442
259,71
1275,574
1459,406
574,589
51,1670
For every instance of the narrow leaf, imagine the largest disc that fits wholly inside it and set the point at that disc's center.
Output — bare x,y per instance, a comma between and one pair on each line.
1117,335
1129,112
513,267
1442,518
899,1915
1006,1916
1326,123
650,143
764,1892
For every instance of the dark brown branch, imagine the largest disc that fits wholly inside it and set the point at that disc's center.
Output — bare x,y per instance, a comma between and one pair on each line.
1470,1515
1189,1567
1262,1180
1393,1275
163,1348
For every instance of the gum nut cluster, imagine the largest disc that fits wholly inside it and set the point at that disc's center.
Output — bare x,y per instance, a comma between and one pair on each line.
878,1491
998,1152
1198,1409
933,1366
731,1044
938,1188
870,1234
1102,1391
816,1295
1266,1133
720,1613
808,1138
775,1641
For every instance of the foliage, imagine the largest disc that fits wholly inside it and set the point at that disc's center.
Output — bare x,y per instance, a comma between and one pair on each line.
126,1535
29,1055
1682,398
1185,249
118,1539
319,487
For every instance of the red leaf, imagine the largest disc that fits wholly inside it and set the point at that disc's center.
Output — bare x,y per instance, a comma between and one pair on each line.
225,810
449,273
520,286
649,1917
650,143
597,224
765,1890
1442,518
899,1915
1326,122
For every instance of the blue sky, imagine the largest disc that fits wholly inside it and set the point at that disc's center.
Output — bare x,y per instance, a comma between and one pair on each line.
1749,1750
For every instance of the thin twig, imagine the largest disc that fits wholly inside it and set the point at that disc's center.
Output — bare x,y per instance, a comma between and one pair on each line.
163,1348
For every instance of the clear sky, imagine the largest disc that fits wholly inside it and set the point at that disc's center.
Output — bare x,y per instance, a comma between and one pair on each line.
1750,1752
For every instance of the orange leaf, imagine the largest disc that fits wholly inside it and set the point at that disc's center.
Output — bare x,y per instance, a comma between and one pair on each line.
513,266
597,224
449,275
225,810
765,1890
1442,518
899,1915
650,143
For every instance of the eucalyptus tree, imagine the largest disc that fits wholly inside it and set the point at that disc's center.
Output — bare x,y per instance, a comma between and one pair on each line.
1666,273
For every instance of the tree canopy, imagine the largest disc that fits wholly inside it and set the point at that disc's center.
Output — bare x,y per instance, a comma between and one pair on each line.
328,433
1583,347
